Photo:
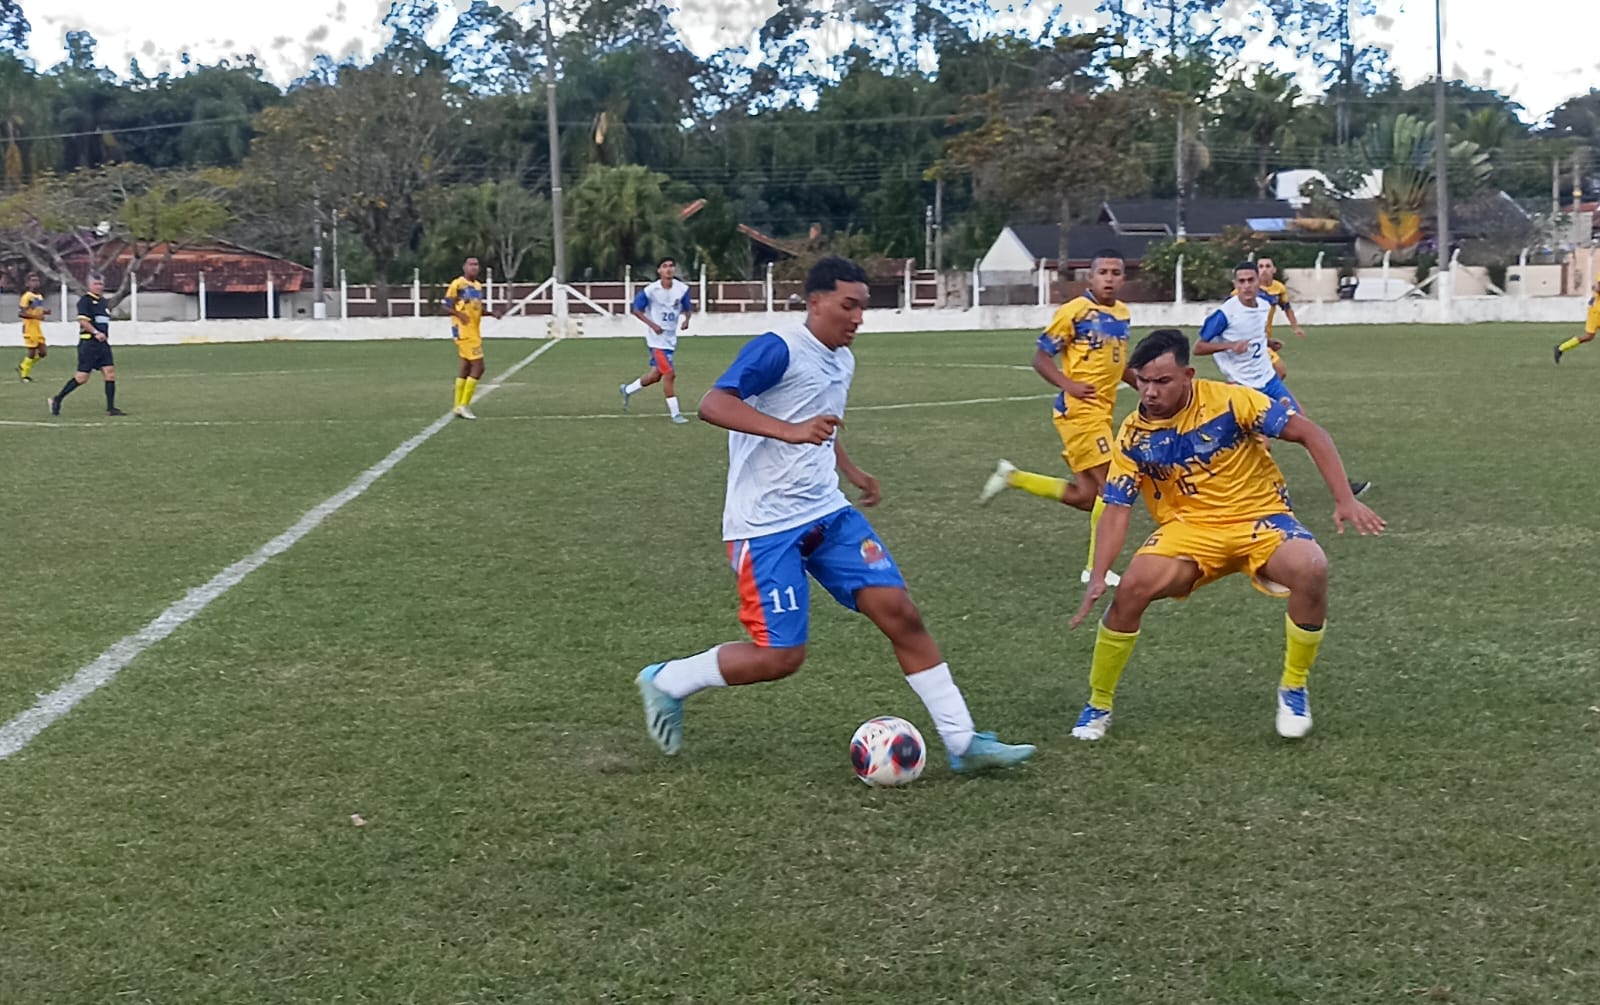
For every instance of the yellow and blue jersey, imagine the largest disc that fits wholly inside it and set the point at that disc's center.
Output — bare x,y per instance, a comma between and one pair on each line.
1276,295
466,295
1592,323
1090,342
1207,465
30,309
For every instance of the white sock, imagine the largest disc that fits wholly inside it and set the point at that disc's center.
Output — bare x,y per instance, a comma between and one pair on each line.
681,678
938,691
672,405
633,388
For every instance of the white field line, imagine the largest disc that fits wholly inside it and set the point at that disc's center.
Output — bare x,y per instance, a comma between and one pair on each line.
643,416
19,732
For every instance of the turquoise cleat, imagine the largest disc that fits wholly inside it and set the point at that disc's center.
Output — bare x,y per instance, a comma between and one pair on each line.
988,752
663,714
623,389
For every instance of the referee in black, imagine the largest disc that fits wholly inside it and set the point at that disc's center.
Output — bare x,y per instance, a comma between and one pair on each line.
94,347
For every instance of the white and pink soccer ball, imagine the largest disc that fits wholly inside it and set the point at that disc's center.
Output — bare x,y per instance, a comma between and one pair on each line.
887,751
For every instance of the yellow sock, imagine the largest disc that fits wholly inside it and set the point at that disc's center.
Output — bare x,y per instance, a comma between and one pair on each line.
461,382
1111,653
27,364
1042,486
1570,344
1299,652
1094,525
469,387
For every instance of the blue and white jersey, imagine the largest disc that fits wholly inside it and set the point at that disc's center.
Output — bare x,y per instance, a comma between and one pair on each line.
666,308
775,486
1233,322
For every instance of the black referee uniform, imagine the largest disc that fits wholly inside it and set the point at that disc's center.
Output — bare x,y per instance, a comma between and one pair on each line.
94,351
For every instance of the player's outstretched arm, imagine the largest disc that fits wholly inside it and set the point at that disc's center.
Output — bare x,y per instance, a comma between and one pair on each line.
1108,541
1346,507
726,409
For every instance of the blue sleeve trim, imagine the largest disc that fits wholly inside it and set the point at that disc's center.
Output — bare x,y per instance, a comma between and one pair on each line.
1120,491
688,301
1272,421
758,367
1048,343
641,303
1215,325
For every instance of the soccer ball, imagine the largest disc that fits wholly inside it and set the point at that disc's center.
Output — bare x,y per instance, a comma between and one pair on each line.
887,751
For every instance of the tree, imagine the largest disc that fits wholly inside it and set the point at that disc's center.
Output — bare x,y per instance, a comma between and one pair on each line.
370,146
105,214
1403,149
498,221
14,26
1050,150
1264,108
622,216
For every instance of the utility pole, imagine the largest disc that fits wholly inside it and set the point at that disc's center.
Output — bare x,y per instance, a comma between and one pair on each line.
1441,163
938,225
555,146
319,310
1177,167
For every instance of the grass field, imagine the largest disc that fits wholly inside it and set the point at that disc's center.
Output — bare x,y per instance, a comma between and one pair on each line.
450,657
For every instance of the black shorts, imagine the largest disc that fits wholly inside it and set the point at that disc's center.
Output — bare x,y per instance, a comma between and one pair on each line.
93,354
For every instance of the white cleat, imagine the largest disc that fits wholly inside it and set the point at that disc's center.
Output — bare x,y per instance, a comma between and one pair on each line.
997,482
1112,579
465,412
680,419
1093,723
1294,712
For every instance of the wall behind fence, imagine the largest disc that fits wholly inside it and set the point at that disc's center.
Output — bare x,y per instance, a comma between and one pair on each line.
1466,310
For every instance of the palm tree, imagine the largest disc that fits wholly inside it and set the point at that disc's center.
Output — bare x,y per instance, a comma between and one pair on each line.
1264,108
1402,148
622,216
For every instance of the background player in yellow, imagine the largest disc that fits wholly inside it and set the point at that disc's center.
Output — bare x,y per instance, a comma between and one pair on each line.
1276,295
1590,325
32,311
1082,352
464,300
1197,451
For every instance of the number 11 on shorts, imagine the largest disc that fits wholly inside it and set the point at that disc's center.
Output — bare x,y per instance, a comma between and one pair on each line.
778,598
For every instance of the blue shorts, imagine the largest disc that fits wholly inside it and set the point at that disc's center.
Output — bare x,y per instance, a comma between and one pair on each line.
841,552
661,360
1277,390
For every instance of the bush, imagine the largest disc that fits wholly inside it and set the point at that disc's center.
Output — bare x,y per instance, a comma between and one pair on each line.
1207,271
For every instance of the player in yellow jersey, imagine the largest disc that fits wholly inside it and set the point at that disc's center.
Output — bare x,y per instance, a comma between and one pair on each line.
465,302
1197,451
1082,352
1590,325
1272,290
32,311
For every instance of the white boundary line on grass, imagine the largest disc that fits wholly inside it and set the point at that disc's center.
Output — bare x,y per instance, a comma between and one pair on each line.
640,416
19,732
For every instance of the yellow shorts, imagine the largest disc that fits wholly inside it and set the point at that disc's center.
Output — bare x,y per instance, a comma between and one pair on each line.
469,346
1086,436
1221,551
1276,359
32,341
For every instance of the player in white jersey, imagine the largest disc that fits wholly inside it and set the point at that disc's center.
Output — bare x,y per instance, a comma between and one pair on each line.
1236,336
785,518
664,306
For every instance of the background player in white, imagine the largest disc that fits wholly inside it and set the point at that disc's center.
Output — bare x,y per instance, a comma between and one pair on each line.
664,306
1236,334
785,518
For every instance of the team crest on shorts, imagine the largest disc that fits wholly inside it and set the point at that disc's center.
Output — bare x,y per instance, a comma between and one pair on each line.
873,554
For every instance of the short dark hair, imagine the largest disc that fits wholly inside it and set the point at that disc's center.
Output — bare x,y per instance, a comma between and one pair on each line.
1106,253
829,272
1157,344
1245,267
664,261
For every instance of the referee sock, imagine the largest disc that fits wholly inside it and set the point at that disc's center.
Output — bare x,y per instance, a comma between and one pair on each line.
71,385
1042,486
111,395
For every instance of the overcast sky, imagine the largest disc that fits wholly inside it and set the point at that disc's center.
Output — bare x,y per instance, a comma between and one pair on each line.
1543,57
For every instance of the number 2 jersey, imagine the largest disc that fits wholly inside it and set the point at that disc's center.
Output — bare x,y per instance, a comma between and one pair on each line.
1235,321
1207,465
1090,342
